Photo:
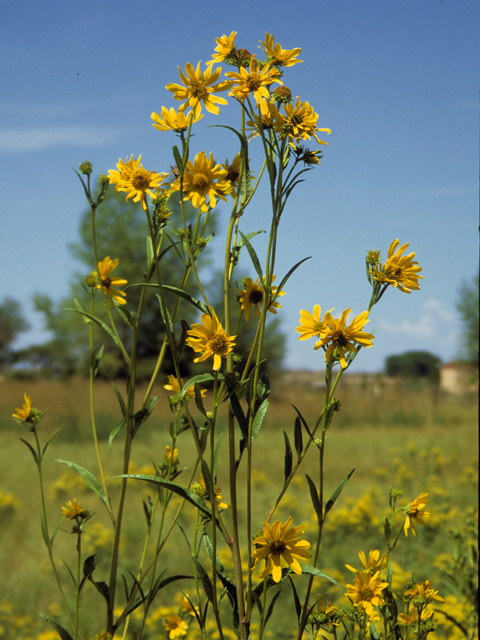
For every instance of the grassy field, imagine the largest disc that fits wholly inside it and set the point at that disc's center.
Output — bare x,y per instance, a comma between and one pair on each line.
414,440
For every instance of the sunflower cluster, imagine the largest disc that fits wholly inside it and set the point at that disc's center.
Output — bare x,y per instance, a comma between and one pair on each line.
399,271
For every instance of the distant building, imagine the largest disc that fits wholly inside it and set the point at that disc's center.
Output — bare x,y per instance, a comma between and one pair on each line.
458,378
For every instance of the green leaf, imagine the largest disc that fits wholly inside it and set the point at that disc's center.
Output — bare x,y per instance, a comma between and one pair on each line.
216,454
127,316
253,255
178,159
114,432
313,571
167,319
70,573
204,377
259,418
150,252
285,279
239,415
271,606
304,422
287,468
63,633
186,296
54,534
44,529
199,400
337,492
172,486
89,479
121,402
315,498
296,599
101,324
298,438
34,453
48,441
205,578
207,476
96,356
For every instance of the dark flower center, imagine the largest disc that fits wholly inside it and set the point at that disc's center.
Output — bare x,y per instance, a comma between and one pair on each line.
107,282
339,339
253,81
277,547
256,297
219,344
140,179
198,90
200,181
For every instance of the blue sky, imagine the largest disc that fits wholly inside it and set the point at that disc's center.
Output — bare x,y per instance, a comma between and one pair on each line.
396,82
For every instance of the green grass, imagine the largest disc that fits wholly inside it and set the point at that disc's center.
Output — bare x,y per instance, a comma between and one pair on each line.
410,440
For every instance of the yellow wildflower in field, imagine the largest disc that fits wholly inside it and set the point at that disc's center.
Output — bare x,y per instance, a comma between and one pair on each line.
136,181
422,594
253,81
310,325
170,120
187,606
108,284
336,335
414,512
174,386
171,456
104,635
253,295
366,592
73,510
200,489
210,339
298,123
198,86
373,564
278,56
278,543
398,271
225,47
203,179
24,413
176,626
412,619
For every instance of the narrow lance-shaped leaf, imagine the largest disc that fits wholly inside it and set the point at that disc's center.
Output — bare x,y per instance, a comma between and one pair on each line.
101,324
205,578
259,418
287,469
253,256
89,479
337,492
63,633
285,279
315,498
298,438
313,571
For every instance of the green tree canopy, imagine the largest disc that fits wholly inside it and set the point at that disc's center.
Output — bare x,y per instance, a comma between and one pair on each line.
12,323
467,307
414,365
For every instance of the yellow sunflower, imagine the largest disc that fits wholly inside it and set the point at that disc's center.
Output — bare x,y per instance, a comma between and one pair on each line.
169,456
203,179
253,296
398,271
298,123
210,339
366,592
132,178
412,619
170,120
414,512
336,335
175,626
422,594
373,564
73,510
252,81
310,325
173,385
225,47
199,87
278,56
108,284
278,543
24,413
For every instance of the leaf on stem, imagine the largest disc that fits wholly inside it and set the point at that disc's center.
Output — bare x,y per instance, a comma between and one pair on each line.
313,571
315,498
63,633
287,468
337,492
253,255
89,479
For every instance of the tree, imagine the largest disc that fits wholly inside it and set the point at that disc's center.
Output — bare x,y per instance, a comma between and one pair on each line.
121,233
467,307
12,323
414,365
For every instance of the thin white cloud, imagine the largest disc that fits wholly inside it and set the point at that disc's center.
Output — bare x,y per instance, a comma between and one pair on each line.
22,140
429,325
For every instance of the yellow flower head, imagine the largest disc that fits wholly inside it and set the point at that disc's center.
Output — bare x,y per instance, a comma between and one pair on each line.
225,47
171,120
412,619
202,180
187,607
253,296
278,56
230,183
104,635
136,181
279,542
174,386
199,87
175,626
169,456
204,494
108,284
398,271
310,325
422,594
24,413
366,592
298,123
210,339
373,564
252,81
336,335
414,513
73,510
